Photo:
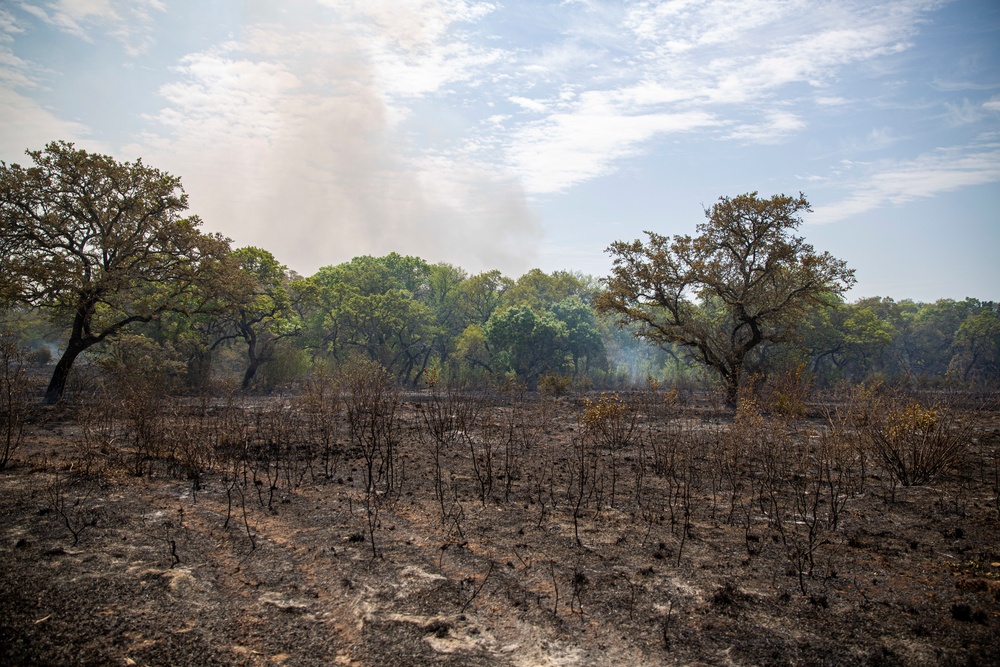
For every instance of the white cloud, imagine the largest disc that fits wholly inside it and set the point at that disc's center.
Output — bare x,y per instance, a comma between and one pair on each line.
26,125
834,101
694,66
895,183
777,126
964,113
567,148
128,21
529,104
416,46
8,26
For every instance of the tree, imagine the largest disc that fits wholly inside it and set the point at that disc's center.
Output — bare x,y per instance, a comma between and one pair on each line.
977,346
266,315
934,328
482,294
850,338
444,296
368,305
540,290
744,281
527,341
103,243
583,338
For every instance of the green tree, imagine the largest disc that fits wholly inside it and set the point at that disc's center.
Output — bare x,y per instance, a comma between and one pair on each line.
933,331
444,297
977,346
102,243
369,305
583,338
474,349
266,315
540,290
527,341
846,340
482,294
744,281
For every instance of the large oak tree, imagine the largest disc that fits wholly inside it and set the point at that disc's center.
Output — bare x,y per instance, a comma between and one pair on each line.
103,243
745,280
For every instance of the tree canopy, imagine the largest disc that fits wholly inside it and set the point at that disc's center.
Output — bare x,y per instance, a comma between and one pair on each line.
102,243
93,249
745,280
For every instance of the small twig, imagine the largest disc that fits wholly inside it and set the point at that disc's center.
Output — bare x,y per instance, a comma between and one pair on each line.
481,586
666,628
555,589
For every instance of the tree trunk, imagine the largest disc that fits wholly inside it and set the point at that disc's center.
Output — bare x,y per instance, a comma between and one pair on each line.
732,395
57,385
250,373
253,359
731,377
199,369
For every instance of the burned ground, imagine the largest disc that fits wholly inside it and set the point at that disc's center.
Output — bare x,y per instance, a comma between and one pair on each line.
528,532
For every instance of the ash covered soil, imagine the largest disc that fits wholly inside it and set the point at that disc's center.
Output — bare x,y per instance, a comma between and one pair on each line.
526,544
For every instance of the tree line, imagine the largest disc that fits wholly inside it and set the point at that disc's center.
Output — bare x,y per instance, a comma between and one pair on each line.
99,259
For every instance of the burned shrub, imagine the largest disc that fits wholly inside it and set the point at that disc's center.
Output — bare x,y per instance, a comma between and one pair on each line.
15,402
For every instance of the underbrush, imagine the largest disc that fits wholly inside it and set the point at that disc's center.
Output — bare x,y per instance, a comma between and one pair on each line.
677,526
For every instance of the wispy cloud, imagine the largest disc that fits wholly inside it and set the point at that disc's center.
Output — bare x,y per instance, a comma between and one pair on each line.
25,122
964,113
128,21
432,126
564,149
877,185
723,67
775,127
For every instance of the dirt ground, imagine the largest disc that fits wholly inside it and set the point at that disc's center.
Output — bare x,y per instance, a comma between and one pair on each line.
662,565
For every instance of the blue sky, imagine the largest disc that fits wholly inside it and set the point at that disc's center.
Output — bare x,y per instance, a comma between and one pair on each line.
518,134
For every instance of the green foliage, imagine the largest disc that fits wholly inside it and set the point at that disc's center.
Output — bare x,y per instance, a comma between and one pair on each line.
472,347
976,347
265,313
583,338
745,281
540,291
916,342
745,297
373,305
102,243
482,294
527,342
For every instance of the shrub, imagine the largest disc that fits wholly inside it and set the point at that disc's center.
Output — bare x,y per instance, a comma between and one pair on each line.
610,420
40,358
914,442
15,402
554,384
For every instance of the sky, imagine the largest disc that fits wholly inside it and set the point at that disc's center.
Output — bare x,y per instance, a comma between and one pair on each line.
525,134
